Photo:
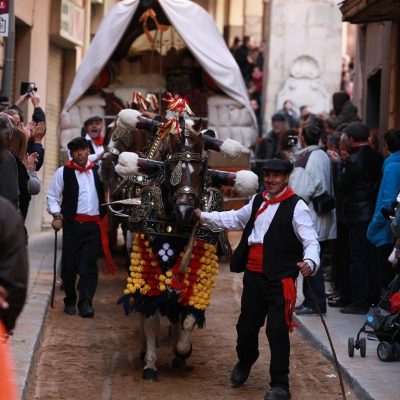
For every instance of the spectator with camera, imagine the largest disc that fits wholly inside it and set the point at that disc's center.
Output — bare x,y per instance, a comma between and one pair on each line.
357,179
36,129
311,179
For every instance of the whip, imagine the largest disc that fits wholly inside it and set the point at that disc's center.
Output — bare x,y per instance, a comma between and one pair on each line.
53,288
329,338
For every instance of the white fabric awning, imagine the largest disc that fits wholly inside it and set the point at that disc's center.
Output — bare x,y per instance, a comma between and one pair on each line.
194,25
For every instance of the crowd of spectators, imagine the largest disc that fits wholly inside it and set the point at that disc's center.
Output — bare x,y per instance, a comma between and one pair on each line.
356,173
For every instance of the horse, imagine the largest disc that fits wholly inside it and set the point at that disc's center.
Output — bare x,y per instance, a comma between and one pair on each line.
174,260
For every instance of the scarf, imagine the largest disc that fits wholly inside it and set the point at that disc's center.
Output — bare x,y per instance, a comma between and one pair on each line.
72,165
98,141
284,196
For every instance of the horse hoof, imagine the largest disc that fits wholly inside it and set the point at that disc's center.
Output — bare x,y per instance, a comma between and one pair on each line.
142,354
150,375
178,362
183,356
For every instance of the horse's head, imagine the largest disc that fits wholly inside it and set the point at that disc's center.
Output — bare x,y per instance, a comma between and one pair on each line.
185,171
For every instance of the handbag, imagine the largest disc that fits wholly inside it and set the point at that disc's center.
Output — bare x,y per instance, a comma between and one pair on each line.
323,203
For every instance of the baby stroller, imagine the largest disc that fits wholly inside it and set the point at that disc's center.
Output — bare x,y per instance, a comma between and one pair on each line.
383,324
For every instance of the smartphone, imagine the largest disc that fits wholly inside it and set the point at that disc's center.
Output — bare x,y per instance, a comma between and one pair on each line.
27,87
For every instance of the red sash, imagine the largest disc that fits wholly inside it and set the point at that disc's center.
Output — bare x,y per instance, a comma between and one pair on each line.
102,223
289,294
7,381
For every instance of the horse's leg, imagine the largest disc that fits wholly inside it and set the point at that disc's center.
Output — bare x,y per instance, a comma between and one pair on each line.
183,348
151,329
142,354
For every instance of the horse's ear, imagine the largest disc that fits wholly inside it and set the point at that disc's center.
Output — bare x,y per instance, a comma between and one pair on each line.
197,125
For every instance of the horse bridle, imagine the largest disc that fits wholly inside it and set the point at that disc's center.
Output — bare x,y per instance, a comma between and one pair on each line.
176,175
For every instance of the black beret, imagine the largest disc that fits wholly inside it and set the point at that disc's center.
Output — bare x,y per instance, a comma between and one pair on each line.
278,165
278,117
357,131
77,143
92,119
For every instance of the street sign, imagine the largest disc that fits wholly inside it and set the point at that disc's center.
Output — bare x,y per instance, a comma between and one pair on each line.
4,15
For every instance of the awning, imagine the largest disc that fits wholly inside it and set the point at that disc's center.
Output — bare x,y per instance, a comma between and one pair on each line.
364,11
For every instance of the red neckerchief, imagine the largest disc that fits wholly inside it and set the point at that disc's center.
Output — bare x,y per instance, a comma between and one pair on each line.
98,141
72,165
285,195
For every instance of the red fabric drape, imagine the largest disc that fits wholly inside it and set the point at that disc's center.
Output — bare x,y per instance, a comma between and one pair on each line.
7,382
289,294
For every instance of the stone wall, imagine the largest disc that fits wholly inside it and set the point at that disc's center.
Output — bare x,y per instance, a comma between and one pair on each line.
303,63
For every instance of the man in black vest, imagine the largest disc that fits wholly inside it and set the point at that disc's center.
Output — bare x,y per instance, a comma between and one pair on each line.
74,198
278,241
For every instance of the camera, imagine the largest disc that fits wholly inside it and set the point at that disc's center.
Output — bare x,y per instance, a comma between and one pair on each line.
27,87
292,140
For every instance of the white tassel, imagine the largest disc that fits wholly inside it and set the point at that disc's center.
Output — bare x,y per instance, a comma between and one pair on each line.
127,118
246,183
231,149
127,164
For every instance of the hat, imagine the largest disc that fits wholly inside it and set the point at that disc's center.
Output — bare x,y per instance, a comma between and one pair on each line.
357,131
278,165
77,143
92,119
278,117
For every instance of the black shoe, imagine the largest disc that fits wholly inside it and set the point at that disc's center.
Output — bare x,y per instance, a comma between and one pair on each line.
309,311
299,307
86,310
337,302
239,374
277,393
353,309
70,309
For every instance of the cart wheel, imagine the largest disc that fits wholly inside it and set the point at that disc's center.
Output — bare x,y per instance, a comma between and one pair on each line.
384,351
362,343
350,346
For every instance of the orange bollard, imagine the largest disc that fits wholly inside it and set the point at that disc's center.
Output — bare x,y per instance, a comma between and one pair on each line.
7,381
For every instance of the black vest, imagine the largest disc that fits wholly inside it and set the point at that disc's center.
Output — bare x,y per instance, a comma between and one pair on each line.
282,249
69,203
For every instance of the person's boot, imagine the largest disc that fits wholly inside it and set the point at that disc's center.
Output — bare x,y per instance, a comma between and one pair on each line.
239,374
86,310
277,393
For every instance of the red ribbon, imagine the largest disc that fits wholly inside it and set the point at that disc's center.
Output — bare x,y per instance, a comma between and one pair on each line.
284,196
72,165
140,101
289,295
103,224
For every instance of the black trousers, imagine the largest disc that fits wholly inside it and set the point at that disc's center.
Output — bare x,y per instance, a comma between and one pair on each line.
262,297
81,249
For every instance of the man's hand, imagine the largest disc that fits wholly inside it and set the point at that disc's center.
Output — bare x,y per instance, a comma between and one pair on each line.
34,98
30,161
39,130
197,213
334,156
57,222
3,295
304,268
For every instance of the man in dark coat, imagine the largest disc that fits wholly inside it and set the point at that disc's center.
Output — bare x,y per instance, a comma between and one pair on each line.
357,178
13,264
278,241
345,111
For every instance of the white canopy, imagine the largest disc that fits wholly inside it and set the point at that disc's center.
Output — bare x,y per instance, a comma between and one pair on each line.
194,25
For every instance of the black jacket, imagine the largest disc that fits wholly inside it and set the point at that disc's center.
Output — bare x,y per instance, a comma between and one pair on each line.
358,181
13,262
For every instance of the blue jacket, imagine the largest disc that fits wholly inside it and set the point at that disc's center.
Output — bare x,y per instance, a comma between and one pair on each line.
379,232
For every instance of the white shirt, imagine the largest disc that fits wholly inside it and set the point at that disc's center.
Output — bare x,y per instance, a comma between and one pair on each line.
88,201
237,219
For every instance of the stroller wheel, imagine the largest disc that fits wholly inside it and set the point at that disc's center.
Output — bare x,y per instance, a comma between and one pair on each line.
350,346
395,351
384,351
362,344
